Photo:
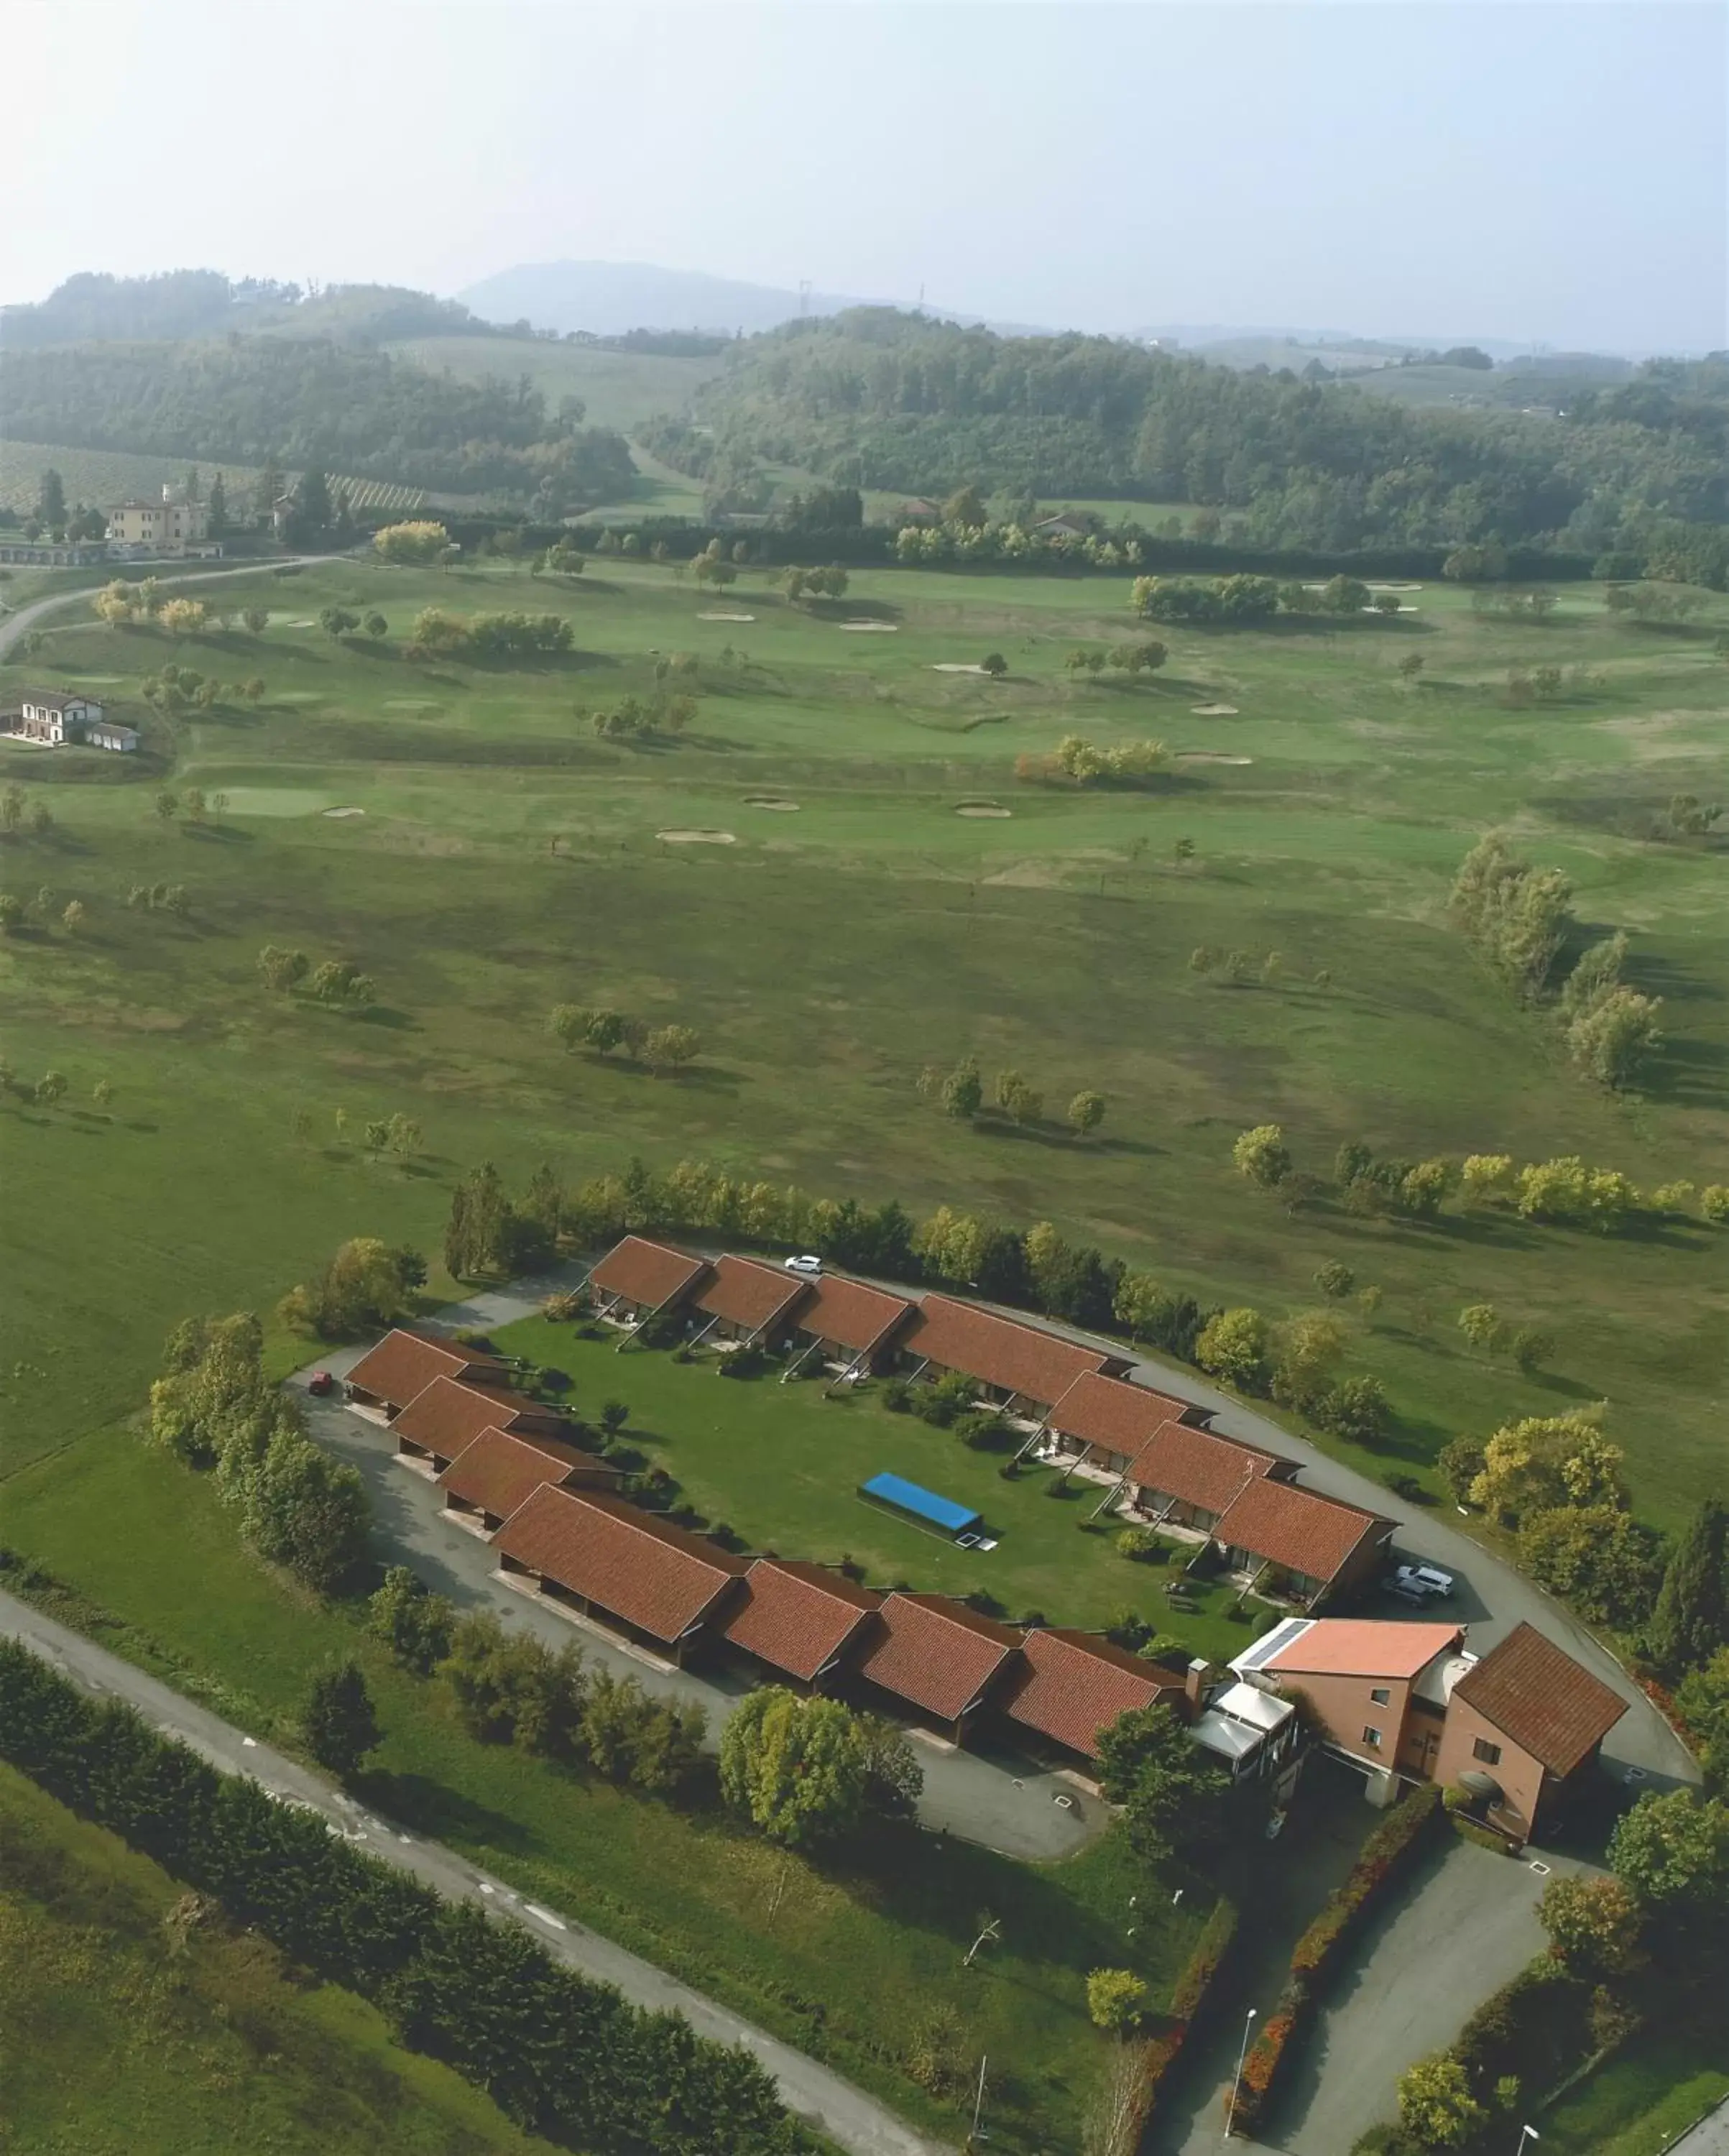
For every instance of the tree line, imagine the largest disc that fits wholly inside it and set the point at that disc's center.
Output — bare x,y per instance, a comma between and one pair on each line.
561,2055
307,402
874,399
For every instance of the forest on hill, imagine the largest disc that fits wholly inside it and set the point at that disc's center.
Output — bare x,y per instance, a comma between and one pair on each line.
310,402
876,399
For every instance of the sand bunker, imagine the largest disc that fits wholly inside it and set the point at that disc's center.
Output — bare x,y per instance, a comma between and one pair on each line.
1213,710
1210,756
957,666
983,809
344,812
716,616
306,623
1395,587
699,838
872,627
770,801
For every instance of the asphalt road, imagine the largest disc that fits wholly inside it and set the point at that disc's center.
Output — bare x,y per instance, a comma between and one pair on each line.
1004,1802
846,2115
15,625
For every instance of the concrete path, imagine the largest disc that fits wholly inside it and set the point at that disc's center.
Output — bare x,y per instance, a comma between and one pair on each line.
15,625
848,2117
1005,1803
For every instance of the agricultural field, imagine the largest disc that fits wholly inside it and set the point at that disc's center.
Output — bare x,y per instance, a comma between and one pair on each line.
508,859
619,389
126,2032
103,477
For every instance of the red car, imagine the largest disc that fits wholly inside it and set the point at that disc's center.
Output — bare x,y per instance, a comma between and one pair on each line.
320,1383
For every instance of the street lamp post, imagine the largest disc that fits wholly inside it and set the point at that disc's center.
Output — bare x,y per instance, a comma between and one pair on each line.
1527,2134
1230,2112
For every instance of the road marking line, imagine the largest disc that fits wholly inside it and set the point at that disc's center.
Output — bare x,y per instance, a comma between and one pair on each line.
546,1916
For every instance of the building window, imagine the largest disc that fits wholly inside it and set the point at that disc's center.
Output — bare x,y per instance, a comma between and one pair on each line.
1381,1695
1372,1737
1489,1753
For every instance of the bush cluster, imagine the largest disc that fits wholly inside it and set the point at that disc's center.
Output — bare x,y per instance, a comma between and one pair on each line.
212,1408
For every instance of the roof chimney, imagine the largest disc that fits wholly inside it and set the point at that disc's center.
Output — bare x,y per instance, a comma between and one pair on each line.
1196,1682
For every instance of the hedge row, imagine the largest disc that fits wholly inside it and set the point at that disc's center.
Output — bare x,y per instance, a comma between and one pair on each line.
1188,2002
564,2057
1385,1855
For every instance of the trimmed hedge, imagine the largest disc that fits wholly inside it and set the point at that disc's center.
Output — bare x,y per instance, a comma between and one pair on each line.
1385,1855
564,2057
1188,2001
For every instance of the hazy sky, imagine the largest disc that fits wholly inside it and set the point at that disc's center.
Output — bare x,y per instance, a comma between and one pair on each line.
1507,168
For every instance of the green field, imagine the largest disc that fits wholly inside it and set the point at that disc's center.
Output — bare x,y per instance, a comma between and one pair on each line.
508,859
619,389
118,2041
781,1465
827,954
1642,2098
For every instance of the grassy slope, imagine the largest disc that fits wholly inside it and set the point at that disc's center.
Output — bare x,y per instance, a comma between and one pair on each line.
619,388
849,1967
116,2044
1647,2093
825,956
1056,940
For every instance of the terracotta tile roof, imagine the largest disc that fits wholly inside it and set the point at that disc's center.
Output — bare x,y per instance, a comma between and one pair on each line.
652,1274
858,1317
936,1653
1363,1647
1295,1528
1197,1467
745,1293
798,1617
1112,1415
644,1570
498,1470
446,1415
1072,1685
998,1351
405,1363
1540,1698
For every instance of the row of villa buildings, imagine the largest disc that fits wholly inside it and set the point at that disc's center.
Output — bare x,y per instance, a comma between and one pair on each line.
1519,1727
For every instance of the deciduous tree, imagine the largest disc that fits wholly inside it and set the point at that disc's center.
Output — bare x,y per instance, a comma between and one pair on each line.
338,1721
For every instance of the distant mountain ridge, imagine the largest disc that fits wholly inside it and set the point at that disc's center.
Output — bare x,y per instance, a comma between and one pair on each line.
606,299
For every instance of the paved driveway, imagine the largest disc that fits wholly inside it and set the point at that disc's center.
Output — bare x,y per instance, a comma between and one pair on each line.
1465,1924
1007,1803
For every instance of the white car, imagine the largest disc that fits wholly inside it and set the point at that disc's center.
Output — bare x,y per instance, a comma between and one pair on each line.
807,1264
1420,1583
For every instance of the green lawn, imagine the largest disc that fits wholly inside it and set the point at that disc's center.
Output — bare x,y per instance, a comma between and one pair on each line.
508,859
117,2042
1636,2104
852,1966
781,1465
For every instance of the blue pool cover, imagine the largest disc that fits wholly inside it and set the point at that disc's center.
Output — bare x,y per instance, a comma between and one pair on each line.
908,1497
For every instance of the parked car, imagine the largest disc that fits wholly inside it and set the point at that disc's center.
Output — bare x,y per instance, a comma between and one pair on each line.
1420,1583
320,1383
807,1264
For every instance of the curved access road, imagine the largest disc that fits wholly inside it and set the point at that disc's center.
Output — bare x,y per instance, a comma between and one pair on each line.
15,625
1491,1597
849,2118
